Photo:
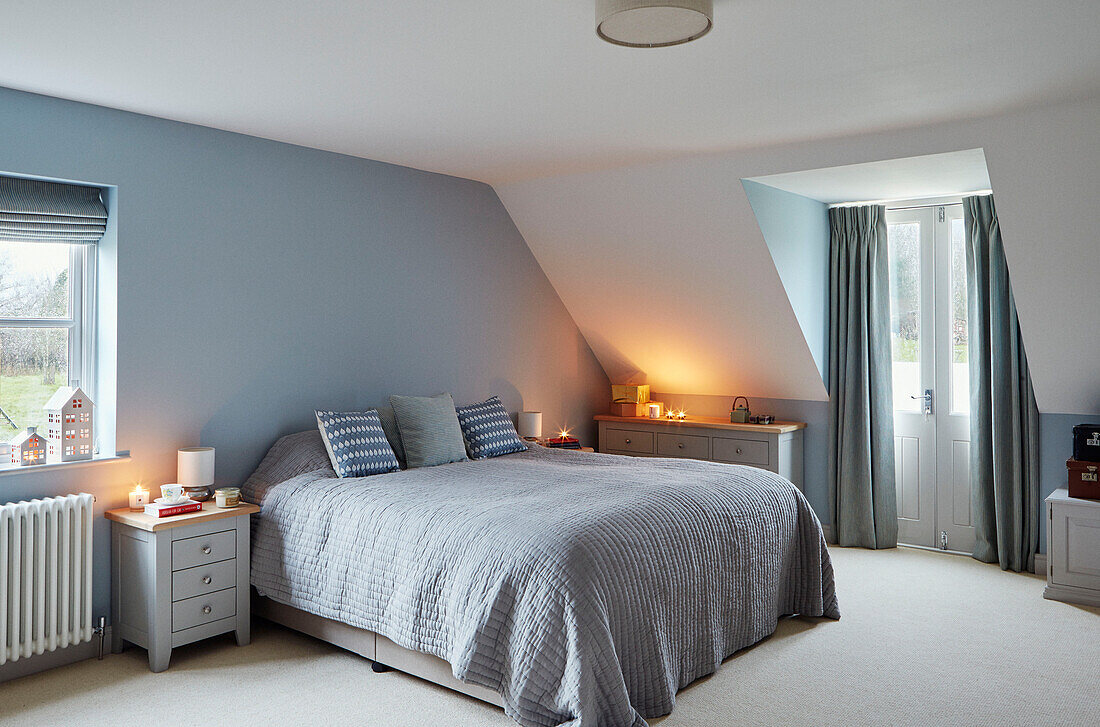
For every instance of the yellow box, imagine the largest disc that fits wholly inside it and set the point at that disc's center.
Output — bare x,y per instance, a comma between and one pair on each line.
639,394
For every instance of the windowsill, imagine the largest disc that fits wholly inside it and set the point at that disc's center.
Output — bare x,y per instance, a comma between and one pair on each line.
9,469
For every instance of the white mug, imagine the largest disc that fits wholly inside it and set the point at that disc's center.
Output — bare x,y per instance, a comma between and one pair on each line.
171,494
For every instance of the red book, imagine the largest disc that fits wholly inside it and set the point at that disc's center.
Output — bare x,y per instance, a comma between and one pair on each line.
156,510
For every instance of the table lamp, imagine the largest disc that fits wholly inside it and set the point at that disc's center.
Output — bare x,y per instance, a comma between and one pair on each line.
195,471
530,425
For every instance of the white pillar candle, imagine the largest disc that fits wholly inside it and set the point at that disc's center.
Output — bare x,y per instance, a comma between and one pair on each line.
654,411
195,466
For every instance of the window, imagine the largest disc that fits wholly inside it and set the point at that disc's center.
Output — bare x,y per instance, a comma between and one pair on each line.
44,340
48,237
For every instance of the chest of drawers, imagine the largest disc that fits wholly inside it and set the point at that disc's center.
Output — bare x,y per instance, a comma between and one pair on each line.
180,579
775,447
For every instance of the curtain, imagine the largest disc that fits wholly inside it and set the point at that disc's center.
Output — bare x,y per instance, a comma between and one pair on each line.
35,211
863,500
1004,420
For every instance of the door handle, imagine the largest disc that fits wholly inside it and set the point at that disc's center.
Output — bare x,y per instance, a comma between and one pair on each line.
926,406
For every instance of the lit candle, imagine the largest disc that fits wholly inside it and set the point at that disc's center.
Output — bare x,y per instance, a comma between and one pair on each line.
139,498
654,411
681,415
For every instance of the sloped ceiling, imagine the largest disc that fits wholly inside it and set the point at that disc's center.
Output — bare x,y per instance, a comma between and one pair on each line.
502,90
665,269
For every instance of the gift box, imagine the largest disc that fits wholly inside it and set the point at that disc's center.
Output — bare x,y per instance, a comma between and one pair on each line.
628,409
639,393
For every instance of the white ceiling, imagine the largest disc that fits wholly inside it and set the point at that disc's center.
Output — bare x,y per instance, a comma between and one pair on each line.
933,175
501,90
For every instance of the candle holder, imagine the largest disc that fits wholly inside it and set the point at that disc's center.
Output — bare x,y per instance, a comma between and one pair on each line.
139,498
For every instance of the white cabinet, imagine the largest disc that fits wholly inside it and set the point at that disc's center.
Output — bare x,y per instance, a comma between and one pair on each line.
776,447
1073,549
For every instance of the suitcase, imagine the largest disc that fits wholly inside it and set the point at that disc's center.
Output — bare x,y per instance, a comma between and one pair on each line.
1084,479
1086,442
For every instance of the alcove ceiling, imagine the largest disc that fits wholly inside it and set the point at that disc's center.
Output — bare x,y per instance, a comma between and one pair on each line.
912,178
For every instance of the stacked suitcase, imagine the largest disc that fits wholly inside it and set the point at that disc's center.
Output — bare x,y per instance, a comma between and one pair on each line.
1084,468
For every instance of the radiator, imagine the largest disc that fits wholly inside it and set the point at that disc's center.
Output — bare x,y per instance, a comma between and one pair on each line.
45,575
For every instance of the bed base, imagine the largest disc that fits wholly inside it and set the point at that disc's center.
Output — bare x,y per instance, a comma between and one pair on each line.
383,653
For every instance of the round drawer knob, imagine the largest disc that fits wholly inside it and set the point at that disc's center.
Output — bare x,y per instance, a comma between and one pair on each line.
628,441
206,580
206,548
738,450
680,445
206,609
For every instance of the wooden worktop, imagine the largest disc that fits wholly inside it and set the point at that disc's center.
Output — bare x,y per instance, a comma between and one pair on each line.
209,511
710,422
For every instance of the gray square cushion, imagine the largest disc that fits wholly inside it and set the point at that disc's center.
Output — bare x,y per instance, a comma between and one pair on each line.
393,434
429,428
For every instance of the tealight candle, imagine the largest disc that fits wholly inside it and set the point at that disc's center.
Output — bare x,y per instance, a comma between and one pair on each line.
139,498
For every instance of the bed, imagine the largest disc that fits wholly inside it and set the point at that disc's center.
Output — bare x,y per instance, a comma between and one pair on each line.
571,588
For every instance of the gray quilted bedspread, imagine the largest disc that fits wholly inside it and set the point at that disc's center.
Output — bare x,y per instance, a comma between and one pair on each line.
585,588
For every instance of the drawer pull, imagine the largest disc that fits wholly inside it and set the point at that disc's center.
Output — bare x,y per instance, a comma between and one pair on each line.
628,441
206,580
680,445
206,609
738,450
206,548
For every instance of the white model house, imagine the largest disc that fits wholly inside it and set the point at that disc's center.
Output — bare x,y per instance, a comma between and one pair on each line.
28,448
69,420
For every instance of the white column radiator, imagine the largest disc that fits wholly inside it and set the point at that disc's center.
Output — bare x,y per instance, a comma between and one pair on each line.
45,575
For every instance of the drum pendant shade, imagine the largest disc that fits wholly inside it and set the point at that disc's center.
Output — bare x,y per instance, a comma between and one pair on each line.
653,23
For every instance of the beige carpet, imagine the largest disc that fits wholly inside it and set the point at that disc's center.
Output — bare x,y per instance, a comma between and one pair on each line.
926,639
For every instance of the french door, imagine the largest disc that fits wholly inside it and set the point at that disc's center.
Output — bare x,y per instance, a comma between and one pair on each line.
931,384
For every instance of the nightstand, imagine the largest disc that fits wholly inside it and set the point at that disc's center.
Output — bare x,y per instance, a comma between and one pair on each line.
1073,549
179,579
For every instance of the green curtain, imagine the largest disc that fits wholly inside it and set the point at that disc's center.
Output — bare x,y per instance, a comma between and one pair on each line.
1004,420
863,499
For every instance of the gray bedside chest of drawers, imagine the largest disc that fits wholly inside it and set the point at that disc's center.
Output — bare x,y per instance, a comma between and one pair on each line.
179,579
776,447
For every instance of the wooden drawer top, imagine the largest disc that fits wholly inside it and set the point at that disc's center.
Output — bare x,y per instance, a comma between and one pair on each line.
708,422
209,512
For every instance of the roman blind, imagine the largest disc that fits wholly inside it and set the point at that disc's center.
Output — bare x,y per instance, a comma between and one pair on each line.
37,211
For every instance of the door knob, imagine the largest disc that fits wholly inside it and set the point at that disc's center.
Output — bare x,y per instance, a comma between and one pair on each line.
206,609
206,580
206,550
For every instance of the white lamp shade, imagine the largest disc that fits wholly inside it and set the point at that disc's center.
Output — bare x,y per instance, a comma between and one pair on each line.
530,424
653,23
195,466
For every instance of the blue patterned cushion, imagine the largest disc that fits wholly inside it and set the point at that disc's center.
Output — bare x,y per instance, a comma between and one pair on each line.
356,443
488,429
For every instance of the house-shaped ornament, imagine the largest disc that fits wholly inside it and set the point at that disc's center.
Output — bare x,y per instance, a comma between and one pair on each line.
28,448
69,424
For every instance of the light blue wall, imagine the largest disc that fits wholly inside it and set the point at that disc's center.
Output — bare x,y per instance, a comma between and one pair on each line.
796,229
258,280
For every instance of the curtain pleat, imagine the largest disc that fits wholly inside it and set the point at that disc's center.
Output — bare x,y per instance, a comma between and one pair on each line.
1004,419
863,499
37,211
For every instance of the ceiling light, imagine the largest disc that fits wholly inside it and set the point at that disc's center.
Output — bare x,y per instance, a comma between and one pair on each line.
653,23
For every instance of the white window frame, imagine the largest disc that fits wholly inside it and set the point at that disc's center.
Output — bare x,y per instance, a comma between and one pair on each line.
80,320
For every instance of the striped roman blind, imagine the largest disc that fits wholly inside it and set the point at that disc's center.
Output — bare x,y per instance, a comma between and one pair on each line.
36,211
